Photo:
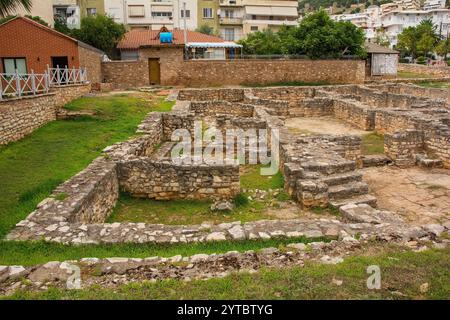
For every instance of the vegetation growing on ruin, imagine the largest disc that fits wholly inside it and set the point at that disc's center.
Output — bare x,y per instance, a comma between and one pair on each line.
373,143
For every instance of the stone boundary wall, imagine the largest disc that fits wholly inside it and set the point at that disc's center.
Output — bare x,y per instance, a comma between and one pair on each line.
238,72
20,117
401,147
441,71
126,74
417,91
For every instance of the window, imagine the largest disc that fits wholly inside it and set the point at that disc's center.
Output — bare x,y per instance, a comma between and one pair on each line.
229,34
207,13
229,13
188,14
254,28
136,11
91,11
161,14
10,65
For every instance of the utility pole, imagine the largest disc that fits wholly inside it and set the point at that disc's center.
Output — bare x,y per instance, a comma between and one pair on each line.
185,30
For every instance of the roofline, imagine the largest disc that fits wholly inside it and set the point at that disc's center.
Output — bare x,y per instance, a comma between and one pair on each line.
51,30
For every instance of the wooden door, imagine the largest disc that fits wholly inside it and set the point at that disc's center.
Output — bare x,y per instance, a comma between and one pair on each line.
154,71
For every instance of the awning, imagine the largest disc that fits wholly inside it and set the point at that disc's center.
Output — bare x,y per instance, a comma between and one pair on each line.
213,45
271,11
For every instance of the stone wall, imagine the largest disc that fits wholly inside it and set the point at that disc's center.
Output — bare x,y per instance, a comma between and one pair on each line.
315,107
146,178
401,147
222,94
440,71
236,72
92,61
126,74
355,114
20,117
213,108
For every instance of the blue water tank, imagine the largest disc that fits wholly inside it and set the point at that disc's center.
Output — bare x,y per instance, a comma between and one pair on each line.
166,37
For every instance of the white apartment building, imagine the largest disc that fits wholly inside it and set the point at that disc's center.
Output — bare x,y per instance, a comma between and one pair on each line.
395,22
433,4
367,20
153,14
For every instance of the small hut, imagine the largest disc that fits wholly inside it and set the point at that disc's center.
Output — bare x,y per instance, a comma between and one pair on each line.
381,62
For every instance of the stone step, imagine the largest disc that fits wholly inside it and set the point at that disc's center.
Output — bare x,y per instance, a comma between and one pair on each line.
342,178
348,190
365,198
330,168
375,160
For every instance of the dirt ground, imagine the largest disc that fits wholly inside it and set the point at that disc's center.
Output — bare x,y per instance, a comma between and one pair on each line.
421,196
321,125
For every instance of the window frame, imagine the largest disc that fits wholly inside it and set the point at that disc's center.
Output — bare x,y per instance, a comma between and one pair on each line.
15,63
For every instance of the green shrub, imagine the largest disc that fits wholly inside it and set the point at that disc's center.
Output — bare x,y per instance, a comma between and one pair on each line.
421,60
240,200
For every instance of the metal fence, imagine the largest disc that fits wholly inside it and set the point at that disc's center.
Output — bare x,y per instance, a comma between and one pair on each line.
17,85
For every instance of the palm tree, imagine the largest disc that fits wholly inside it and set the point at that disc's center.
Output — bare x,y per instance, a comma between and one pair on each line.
8,6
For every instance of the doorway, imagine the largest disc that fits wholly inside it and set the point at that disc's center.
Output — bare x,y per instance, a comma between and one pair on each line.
60,62
154,71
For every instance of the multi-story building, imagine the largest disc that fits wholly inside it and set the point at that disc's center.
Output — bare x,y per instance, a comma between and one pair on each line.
231,16
434,4
153,14
408,4
40,8
267,14
208,13
395,22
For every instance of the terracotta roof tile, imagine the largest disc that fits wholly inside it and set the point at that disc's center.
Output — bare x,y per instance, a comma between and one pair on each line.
142,38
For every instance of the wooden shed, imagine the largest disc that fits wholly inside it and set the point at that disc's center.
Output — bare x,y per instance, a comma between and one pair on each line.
381,61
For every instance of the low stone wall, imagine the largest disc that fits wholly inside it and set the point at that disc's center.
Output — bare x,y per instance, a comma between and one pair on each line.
213,108
437,143
417,91
315,107
440,71
20,117
222,94
390,121
355,114
126,74
146,178
401,147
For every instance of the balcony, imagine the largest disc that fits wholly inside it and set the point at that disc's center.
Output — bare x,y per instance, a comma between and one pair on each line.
271,22
230,3
231,21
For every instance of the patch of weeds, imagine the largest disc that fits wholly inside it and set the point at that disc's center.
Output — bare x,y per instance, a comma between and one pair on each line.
241,200
61,196
373,143
326,210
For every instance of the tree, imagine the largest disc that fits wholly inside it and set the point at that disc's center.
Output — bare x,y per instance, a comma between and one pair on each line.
206,29
9,6
61,25
420,39
317,36
382,39
264,42
443,48
35,18
100,31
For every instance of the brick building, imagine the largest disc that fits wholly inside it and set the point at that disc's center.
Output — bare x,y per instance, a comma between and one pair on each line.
28,46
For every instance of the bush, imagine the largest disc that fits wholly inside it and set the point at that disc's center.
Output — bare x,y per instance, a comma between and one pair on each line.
240,200
404,60
421,60
448,63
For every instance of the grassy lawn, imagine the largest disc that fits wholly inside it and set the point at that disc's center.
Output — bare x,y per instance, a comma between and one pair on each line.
435,84
251,178
408,75
402,274
32,167
29,253
373,143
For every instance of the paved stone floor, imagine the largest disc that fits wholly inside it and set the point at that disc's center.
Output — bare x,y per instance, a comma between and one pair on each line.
321,125
421,196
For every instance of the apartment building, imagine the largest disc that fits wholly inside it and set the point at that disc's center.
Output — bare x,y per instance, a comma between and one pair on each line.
41,8
433,4
208,13
395,22
74,10
231,17
153,14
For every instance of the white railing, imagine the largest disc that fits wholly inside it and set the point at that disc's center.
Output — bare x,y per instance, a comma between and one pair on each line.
16,85
64,76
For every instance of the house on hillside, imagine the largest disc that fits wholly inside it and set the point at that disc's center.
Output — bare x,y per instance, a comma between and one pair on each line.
164,51
29,46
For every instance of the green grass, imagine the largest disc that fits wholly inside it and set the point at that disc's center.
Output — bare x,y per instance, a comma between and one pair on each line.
288,83
410,75
373,143
32,167
435,84
29,253
251,178
186,212
402,274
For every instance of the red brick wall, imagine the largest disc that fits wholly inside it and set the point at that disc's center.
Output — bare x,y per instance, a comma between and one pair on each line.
20,38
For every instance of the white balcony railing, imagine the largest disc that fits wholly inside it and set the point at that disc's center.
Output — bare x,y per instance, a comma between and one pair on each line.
16,85
64,76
